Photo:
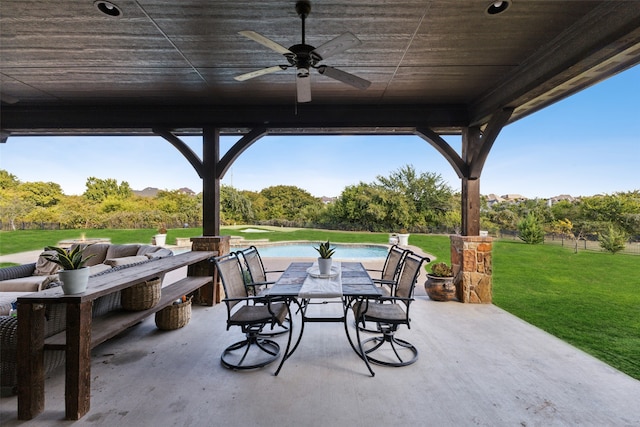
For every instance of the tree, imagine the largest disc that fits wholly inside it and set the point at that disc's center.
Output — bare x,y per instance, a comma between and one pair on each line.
99,189
530,230
13,206
427,192
612,239
287,202
234,206
371,207
8,180
43,194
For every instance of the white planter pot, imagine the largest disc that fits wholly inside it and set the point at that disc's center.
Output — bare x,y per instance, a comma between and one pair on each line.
161,239
324,265
74,281
403,239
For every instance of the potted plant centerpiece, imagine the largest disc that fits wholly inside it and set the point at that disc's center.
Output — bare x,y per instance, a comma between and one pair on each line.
74,275
324,261
439,284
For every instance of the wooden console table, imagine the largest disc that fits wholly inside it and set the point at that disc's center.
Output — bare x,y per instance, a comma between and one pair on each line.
83,333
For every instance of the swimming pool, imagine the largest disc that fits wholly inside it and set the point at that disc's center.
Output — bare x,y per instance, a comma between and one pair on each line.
306,250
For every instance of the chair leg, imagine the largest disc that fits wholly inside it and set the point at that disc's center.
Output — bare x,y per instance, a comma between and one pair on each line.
388,336
267,351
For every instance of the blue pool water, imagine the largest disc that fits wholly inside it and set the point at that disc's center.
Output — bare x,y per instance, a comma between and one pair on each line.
306,250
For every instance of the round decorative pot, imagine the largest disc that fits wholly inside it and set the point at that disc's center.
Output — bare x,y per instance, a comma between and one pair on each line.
324,265
160,239
403,239
440,288
74,281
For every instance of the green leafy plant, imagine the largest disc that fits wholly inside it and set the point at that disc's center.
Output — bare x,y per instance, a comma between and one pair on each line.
441,269
325,250
530,230
72,260
612,239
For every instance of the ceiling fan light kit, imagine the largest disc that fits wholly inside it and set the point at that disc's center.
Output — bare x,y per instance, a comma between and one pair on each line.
302,57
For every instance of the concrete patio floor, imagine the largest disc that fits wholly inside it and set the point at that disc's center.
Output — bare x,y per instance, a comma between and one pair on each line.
478,365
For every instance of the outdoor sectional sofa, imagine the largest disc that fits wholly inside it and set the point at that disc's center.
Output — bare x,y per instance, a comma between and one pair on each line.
28,278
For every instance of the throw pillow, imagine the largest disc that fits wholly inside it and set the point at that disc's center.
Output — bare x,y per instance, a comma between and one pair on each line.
44,267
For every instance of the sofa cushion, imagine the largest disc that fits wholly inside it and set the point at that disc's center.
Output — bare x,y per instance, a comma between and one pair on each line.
27,284
114,262
97,249
120,251
44,267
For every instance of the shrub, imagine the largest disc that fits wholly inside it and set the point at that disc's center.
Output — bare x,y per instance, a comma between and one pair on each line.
612,239
530,230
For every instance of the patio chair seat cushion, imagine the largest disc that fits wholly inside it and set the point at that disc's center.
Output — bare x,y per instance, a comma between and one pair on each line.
380,312
258,313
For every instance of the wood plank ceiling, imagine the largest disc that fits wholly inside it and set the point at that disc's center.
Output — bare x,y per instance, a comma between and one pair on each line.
68,68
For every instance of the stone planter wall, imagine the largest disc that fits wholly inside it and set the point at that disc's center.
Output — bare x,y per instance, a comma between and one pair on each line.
472,263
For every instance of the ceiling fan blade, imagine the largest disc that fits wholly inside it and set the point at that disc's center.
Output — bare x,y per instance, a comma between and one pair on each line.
257,73
344,77
265,41
337,45
303,86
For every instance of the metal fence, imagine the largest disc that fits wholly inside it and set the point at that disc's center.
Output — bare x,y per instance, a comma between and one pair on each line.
591,243
5,226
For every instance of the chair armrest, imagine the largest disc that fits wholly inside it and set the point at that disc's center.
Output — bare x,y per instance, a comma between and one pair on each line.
385,282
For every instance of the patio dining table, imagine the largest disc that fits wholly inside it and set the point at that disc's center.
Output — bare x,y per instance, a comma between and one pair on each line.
301,282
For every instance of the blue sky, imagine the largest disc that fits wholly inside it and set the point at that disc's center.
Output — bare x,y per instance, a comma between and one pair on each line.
584,145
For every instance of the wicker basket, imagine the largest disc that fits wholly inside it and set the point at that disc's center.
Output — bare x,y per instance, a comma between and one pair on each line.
174,316
142,296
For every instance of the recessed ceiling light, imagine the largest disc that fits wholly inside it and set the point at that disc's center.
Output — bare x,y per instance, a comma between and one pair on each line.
108,8
496,7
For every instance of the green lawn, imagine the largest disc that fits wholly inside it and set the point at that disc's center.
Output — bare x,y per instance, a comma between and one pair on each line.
588,299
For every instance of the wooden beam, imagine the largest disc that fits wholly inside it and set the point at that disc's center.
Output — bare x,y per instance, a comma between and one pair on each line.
183,148
445,149
131,120
238,148
483,146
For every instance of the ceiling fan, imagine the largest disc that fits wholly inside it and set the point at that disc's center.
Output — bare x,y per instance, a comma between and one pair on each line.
303,57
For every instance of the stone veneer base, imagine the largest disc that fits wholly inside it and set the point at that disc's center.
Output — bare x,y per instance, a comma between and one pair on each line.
472,263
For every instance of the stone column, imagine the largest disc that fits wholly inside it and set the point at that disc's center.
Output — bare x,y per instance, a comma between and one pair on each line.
211,294
472,265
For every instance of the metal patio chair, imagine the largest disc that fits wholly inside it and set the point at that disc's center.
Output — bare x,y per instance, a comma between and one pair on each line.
257,280
390,272
389,312
252,314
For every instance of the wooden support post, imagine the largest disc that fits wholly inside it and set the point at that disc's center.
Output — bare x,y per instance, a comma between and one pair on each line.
78,360
470,207
212,293
210,182
30,367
